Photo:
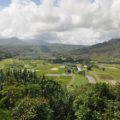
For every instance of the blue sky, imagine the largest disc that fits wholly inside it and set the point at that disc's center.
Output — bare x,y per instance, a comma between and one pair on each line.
37,1
7,2
4,2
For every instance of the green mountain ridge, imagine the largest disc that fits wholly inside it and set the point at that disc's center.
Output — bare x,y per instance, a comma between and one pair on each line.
109,49
37,51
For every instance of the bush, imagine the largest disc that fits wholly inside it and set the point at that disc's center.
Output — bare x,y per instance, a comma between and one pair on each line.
99,103
32,109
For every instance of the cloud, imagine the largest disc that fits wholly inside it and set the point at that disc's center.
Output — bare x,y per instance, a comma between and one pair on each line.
66,21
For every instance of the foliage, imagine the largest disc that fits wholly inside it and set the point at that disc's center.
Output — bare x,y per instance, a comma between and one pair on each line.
25,96
32,97
99,103
32,109
5,114
107,51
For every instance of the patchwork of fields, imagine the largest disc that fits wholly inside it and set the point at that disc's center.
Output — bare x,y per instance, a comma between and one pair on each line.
56,72
110,74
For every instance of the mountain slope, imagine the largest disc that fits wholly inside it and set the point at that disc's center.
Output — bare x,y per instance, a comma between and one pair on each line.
32,51
17,47
107,49
12,42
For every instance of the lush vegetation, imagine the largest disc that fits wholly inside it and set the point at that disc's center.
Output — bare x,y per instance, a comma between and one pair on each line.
56,72
57,88
4,55
21,49
108,52
100,102
42,81
26,96
109,73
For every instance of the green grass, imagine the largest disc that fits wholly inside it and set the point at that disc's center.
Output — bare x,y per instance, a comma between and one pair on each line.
43,68
78,81
59,71
63,80
112,72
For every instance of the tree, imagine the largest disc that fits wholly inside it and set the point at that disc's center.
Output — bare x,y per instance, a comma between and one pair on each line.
98,103
32,109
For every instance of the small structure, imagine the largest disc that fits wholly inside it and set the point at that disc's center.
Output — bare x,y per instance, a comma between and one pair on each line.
79,69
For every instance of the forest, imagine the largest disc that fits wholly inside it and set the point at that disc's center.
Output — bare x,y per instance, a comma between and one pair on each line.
25,96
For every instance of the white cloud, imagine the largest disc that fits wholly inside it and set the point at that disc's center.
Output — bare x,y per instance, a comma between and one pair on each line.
71,21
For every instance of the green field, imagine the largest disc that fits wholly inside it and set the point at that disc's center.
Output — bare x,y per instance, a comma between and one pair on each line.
55,72
111,74
77,81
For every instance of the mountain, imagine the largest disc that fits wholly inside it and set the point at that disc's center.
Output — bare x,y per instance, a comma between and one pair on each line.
12,42
63,47
33,50
38,42
109,49
17,47
44,45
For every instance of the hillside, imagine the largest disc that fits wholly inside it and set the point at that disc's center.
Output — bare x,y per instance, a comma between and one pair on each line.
107,49
12,42
16,47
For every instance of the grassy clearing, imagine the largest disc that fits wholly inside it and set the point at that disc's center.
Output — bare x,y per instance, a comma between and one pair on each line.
112,72
77,81
63,80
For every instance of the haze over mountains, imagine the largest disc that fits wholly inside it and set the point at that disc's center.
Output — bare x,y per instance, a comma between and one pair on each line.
36,42
18,42
34,48
11,42
108,49
15,46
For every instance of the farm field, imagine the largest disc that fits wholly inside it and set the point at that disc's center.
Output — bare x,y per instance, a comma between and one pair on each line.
77,81
23,90
55,72
110,74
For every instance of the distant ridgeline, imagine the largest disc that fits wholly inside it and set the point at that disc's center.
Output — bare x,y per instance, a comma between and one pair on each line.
109,50
33,49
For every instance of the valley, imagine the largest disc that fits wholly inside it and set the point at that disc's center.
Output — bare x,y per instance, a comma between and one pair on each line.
59,60
57,72
68,74
42,82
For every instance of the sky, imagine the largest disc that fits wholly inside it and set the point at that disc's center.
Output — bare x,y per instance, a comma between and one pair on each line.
83,22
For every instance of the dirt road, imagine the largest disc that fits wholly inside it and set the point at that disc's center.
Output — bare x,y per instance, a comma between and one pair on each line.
90,79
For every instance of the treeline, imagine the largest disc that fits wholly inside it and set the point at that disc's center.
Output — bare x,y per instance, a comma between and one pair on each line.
69,60
100,102
24,96
4,55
